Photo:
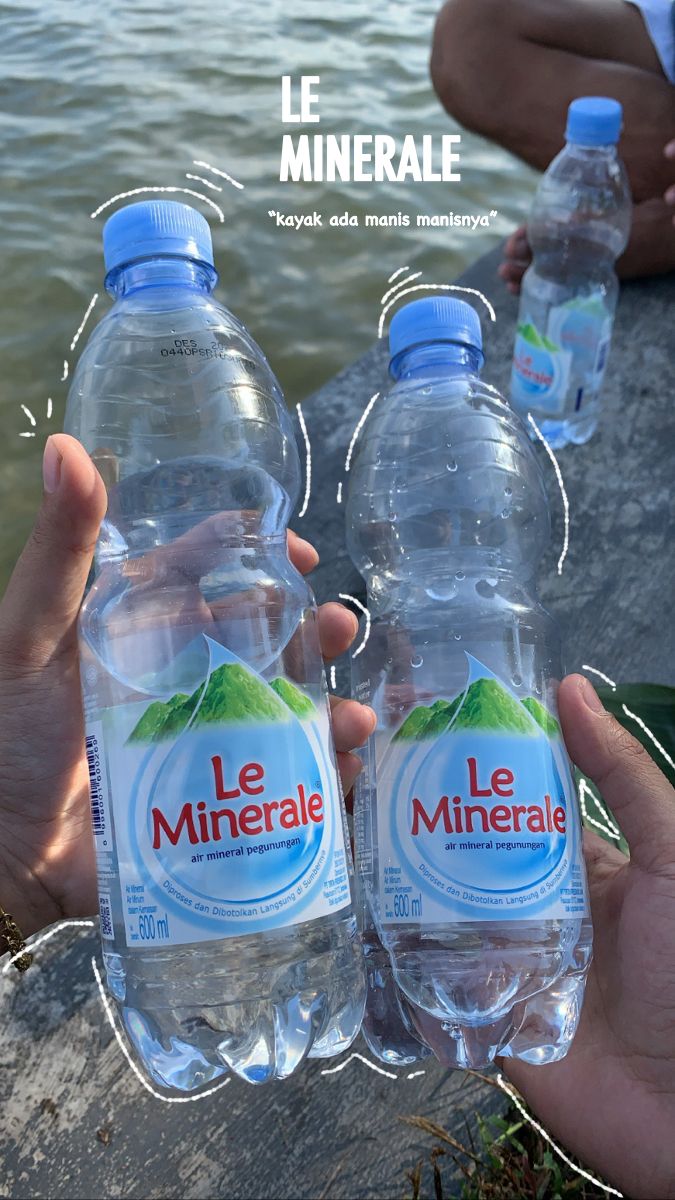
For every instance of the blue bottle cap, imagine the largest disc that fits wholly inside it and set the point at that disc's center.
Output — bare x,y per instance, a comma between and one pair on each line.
434,319
156,227
594,121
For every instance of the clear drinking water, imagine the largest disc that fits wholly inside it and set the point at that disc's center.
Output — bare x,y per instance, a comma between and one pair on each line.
229,939
578,227
467,832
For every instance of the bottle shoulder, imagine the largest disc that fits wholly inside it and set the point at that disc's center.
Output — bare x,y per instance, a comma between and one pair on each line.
585,196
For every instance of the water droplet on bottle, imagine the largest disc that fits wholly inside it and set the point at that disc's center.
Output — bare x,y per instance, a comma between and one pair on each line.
459,575
505,513
457,637
508,491
416,660
517,680
442,591
452,465
392,514
426,391
484,588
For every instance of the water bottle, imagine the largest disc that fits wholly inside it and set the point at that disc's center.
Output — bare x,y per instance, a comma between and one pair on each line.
578,227
229,939
467,829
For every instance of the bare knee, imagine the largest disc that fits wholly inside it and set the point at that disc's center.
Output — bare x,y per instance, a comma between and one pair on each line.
472,48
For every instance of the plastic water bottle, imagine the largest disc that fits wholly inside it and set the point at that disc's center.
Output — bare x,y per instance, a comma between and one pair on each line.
229,939
388,1025
467,830
578,227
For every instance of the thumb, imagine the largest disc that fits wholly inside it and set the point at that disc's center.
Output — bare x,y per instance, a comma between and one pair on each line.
628,779
45,591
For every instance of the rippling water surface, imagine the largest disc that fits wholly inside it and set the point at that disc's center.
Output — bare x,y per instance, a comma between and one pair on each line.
103,97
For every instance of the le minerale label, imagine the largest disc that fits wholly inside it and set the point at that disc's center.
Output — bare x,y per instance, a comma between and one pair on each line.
477,812
226,808
357,158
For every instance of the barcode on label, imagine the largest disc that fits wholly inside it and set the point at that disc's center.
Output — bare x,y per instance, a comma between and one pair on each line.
105,909
97,786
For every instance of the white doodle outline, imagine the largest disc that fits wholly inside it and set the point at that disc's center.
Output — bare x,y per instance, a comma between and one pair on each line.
561,485
308,461
169,188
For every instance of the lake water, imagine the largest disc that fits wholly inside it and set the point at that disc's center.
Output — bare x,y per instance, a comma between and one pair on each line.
101,98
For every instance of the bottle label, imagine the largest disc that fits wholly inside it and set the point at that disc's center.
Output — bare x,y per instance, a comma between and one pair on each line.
477,812
572,353
226,807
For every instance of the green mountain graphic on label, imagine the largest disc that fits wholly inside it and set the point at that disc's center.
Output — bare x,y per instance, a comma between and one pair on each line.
542,716
232,695
487,705
530,334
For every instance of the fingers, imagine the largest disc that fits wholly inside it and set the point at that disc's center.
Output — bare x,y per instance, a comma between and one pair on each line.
337,629
517,258
516,245
669,149
512,274
353,723
45,592
301,553
349,766
628,779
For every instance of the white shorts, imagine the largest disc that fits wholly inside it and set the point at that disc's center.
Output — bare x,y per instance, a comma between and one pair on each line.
659,17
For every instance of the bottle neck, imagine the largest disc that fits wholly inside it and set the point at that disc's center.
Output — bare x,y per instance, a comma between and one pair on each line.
171,271
436,358
607,151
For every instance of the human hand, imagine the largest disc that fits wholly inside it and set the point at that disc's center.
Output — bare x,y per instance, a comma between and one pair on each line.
612,1099
517,258
669,196
47,867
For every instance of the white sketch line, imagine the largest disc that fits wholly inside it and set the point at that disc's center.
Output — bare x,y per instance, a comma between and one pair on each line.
65,371
433,287
601,674
139,190
120,1041
199,162
585,790
366,1062
84,320
207,182
32,944
333,677
401,271
49,408
364,610
339,492
401,283
634,717
362,420
561,485
605,1187
27,434
414,1074
308,461
29,414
